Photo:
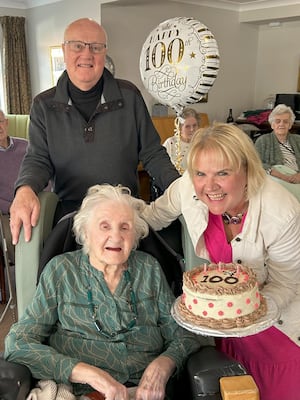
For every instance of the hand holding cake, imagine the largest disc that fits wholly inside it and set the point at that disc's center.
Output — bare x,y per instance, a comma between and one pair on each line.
233,213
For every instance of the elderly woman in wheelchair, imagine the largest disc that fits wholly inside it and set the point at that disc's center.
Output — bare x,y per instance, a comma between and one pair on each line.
100,319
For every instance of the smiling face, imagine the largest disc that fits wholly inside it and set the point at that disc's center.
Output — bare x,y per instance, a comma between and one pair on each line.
84,67
218,185
110,234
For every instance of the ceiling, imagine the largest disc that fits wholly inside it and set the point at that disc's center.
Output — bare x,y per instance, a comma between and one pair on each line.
238,5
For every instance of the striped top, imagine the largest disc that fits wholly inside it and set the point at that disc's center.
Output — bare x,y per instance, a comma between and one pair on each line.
288,154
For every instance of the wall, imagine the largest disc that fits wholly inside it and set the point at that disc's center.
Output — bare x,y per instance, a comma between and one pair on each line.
278,60
230,90
255,60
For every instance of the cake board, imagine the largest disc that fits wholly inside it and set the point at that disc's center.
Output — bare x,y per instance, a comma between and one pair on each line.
260,325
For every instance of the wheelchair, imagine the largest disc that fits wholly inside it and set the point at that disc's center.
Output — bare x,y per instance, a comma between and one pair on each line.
203,369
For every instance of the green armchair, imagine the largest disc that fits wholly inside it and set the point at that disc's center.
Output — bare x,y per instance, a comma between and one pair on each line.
18,125
27,255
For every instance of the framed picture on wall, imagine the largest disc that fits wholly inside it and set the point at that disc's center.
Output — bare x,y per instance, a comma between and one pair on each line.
57,63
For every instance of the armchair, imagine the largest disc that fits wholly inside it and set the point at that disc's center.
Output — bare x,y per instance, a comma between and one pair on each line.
204,368
18,125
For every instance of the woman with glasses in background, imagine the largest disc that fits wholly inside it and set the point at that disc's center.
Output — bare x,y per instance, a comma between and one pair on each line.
178,146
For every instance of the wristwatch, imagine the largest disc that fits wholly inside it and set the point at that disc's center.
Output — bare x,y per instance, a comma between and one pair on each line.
269,171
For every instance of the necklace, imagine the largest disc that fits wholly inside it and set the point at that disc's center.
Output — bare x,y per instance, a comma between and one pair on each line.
235,220
132,305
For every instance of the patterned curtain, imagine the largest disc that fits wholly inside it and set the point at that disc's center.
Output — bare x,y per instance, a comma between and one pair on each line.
15,66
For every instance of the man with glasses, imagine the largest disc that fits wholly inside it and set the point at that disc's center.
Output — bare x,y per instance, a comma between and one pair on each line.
91,128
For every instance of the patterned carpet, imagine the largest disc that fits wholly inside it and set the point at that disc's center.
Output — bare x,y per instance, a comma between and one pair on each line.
9,319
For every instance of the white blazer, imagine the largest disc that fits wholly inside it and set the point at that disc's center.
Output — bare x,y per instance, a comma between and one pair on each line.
269,241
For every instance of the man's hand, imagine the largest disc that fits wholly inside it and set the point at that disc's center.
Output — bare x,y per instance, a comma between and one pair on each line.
25,210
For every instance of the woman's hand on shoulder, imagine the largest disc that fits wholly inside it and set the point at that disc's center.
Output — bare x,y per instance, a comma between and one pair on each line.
100,380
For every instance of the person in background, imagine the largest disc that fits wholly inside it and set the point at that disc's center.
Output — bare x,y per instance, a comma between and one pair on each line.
178,149
104,310
235,213
91,128
280,149
12,151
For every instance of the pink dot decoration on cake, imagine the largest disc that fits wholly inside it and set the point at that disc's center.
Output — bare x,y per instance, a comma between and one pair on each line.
221,296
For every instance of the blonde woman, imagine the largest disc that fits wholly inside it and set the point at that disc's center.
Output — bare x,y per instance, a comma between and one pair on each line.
234,212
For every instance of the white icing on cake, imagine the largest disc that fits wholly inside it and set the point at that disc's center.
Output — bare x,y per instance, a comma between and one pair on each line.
221,295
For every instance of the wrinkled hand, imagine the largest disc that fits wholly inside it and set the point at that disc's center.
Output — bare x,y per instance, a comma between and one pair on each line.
154,380
25,210
294,178
100,380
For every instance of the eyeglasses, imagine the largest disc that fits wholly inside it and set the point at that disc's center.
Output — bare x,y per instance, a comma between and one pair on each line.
77,46
132,305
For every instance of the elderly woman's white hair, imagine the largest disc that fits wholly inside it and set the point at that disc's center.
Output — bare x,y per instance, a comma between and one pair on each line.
98,194
281,109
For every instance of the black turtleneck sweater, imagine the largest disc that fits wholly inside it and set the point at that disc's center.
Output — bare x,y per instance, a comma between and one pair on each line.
86,101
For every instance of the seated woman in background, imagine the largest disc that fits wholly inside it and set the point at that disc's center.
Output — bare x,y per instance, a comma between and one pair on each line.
178,147
280,150
235,213
103,310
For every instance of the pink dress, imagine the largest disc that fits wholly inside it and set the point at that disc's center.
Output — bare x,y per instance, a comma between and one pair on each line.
270,356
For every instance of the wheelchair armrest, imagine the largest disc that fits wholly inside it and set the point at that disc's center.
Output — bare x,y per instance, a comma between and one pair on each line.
27,254
15,381
205,368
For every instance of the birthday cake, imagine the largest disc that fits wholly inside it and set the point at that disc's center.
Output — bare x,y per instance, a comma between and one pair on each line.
221,296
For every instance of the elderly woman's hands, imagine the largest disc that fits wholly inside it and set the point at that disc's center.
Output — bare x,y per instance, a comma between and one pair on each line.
151,387
154,380
100,381
294,178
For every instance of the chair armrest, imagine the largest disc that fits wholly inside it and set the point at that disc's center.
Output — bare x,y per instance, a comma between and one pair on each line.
27,254
15,381
204,370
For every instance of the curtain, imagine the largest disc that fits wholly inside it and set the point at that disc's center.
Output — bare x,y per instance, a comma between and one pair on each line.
17,84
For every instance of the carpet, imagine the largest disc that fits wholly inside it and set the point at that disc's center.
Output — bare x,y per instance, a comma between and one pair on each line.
6,323
11,313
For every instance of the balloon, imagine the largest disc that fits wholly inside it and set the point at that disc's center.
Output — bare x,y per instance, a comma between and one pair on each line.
179,62
109,64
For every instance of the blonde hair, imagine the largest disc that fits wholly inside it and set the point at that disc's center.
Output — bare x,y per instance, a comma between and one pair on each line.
230,144
98,194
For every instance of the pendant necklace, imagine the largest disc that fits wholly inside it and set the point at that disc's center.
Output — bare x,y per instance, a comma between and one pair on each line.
235,220
132,305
